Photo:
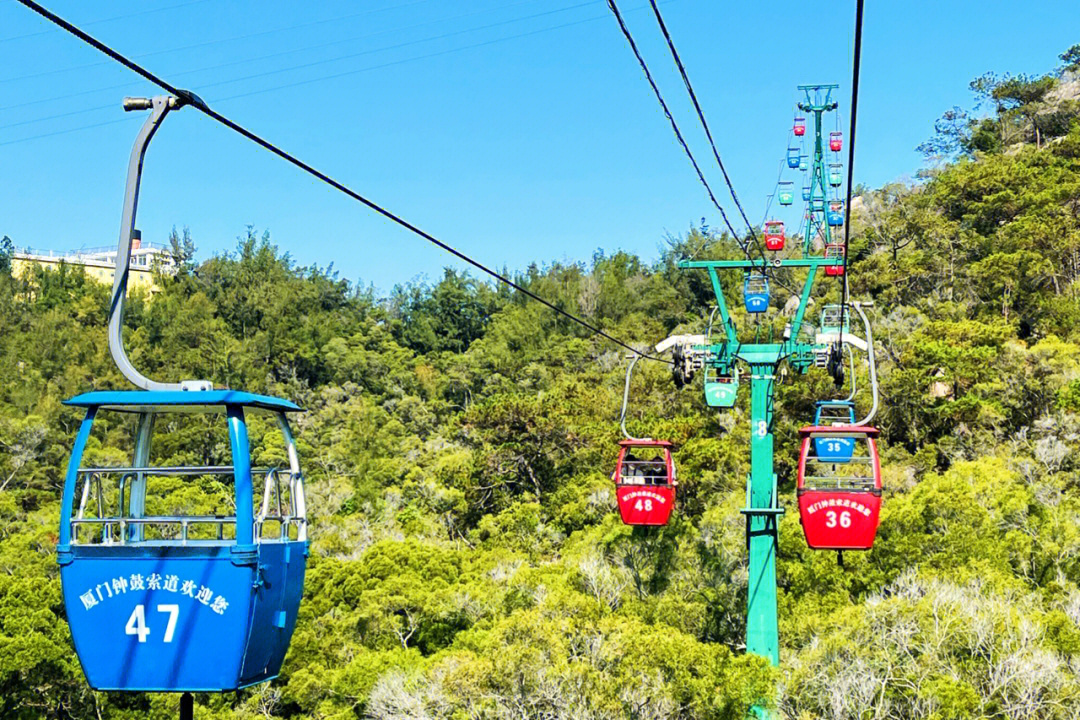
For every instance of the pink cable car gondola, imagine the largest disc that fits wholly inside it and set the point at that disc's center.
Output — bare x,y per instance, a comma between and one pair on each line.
836,141
839,503
799,128
645,481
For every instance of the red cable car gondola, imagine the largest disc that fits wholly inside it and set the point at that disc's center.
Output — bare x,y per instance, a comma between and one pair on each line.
839,503
799,128
774,235
645,481
835,252
836,141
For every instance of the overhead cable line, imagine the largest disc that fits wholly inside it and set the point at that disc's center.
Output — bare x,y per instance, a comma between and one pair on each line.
701,115
671,118
190,98
64,132
851,153
775,189
449,51
322,78
743,245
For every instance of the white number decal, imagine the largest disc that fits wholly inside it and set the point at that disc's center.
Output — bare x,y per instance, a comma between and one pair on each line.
834,446
174,612
845,519
762,428
645,505
136,624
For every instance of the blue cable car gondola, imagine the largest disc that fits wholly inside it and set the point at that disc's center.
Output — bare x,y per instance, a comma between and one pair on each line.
835,216
832,413
178,602
805,192
804,163
159,598
794,155
756,293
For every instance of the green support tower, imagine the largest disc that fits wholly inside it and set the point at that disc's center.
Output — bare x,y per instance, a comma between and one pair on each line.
816,223
762,361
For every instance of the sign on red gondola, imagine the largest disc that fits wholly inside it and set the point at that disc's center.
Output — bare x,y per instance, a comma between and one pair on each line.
839,500
645,505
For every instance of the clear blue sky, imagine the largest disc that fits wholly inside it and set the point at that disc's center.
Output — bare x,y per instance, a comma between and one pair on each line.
516,130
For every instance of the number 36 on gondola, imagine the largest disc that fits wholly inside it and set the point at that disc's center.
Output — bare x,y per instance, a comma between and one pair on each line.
839,494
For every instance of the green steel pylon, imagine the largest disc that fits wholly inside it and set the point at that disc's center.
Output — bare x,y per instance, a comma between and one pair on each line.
816,205
762,508
763,360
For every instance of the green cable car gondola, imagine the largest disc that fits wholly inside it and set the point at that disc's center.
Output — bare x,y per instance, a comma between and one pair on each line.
836,174
721,383
834,321
721,390
786,193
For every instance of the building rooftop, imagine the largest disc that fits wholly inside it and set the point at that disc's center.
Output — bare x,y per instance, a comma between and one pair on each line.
144,255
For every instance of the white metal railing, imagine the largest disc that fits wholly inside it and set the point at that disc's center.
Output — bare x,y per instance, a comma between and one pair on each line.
643,472
119,526
835,415
279,508
837,479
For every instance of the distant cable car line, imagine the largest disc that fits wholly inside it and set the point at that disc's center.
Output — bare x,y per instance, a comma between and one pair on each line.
291,67
318,78
197,103
63,132
449,51
208,43
308,81
105,20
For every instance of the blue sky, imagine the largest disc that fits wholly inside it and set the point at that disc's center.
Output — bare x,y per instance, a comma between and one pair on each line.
516,130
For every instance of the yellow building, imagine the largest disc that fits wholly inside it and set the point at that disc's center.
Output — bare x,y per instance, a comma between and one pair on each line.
100,263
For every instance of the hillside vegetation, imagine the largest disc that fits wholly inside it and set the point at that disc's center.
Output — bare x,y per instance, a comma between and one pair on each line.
467,559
